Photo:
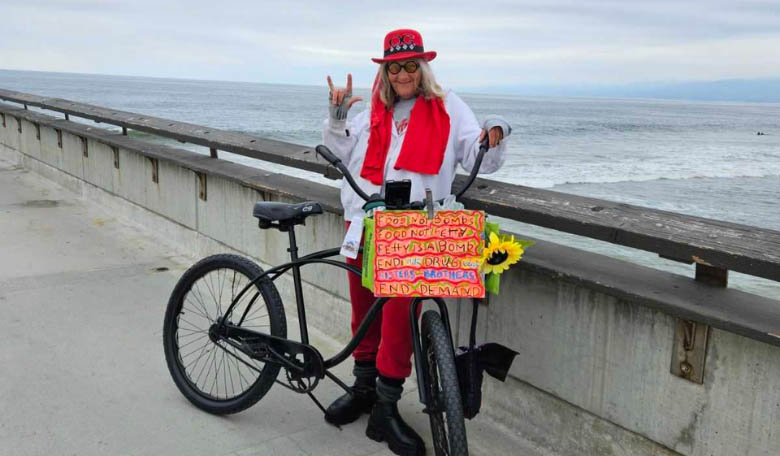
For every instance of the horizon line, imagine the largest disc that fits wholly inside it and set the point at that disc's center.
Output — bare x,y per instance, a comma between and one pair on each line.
498,89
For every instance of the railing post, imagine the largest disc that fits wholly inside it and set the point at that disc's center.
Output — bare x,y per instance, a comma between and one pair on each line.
115,150
155,169
203,180
711,275
689,352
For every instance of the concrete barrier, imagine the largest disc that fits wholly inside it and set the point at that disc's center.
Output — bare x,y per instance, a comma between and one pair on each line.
595,334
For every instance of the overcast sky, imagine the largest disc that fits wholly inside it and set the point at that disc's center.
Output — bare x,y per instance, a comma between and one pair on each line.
480,43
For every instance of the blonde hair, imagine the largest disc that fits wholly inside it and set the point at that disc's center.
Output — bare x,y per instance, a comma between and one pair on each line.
429,88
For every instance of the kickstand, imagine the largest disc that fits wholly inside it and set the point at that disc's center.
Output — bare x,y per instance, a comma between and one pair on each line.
320,406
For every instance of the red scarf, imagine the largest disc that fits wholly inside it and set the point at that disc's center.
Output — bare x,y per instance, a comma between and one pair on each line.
424,144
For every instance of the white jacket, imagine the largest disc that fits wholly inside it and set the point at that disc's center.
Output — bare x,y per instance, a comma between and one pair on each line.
348,139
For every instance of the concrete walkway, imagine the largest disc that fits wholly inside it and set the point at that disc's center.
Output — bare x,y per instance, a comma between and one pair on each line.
82,297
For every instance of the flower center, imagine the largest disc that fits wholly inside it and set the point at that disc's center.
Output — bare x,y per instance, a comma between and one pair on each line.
497,257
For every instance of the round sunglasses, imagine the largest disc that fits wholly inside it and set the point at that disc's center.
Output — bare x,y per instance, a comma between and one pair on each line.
409,66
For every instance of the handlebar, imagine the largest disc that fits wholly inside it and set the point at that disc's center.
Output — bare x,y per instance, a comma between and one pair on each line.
483,147
329,156
336,162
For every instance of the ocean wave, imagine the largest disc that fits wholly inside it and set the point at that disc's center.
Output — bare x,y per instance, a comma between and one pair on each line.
667,178
552,181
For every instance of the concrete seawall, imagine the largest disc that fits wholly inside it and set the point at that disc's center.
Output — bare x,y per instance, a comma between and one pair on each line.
595,334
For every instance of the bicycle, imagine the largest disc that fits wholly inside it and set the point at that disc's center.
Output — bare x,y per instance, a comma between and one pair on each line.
225,360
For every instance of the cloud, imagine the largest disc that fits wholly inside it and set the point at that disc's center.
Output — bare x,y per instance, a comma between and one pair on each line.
500,43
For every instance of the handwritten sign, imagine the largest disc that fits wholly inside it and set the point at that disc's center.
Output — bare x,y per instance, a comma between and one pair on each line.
416,256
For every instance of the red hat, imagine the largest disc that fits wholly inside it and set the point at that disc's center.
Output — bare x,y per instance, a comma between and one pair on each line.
404,44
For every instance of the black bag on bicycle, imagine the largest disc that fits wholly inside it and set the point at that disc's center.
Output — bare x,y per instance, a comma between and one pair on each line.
472,361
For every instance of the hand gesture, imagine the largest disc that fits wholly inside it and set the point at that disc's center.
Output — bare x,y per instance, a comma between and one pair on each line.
341,99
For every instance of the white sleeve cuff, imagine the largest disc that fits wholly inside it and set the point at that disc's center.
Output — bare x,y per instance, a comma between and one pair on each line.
338,126
497,121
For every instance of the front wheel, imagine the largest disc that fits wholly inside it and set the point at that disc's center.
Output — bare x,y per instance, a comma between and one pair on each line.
211,373
441,381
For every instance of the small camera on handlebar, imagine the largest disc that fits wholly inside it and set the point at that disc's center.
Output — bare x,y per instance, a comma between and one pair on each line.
397,193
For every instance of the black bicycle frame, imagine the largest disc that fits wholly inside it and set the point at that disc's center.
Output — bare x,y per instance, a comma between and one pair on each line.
296,263
321,257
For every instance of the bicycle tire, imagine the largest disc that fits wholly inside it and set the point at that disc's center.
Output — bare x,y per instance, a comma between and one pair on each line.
190,297
441,380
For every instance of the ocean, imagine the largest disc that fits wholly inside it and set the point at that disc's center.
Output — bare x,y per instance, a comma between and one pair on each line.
698,158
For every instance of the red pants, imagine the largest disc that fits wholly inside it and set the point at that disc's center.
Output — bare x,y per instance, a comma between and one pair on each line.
389,339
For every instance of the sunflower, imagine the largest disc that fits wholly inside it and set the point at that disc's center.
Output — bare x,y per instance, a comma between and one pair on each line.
499,254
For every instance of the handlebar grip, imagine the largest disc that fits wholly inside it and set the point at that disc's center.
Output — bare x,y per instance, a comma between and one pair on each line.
483,146
327,155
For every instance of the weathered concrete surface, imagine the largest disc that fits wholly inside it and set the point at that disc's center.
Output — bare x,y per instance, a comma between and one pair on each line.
83,372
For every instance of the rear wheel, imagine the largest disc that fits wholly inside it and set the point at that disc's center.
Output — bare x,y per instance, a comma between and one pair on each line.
441,381
212,374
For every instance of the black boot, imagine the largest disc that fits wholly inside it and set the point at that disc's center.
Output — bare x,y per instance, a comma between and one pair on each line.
385,424
350,406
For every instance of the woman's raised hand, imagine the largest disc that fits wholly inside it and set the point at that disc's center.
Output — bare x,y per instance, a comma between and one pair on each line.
342,97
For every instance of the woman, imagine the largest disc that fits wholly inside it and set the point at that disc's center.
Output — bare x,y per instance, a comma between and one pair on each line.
414,130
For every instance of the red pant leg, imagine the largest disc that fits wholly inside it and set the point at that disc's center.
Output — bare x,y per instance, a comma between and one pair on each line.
362,299
389,339
394,359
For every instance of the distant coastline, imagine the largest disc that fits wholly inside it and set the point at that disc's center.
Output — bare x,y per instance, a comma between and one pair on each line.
759,90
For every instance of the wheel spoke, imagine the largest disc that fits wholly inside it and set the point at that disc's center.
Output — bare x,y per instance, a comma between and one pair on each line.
255,318
221,282
194,326
198,358
210,288
230,372
214,363
193,341
196,289
196,311
253,311
206,363
192,332
224,372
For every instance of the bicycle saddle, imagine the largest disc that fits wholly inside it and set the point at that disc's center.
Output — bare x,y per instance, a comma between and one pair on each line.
284,215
